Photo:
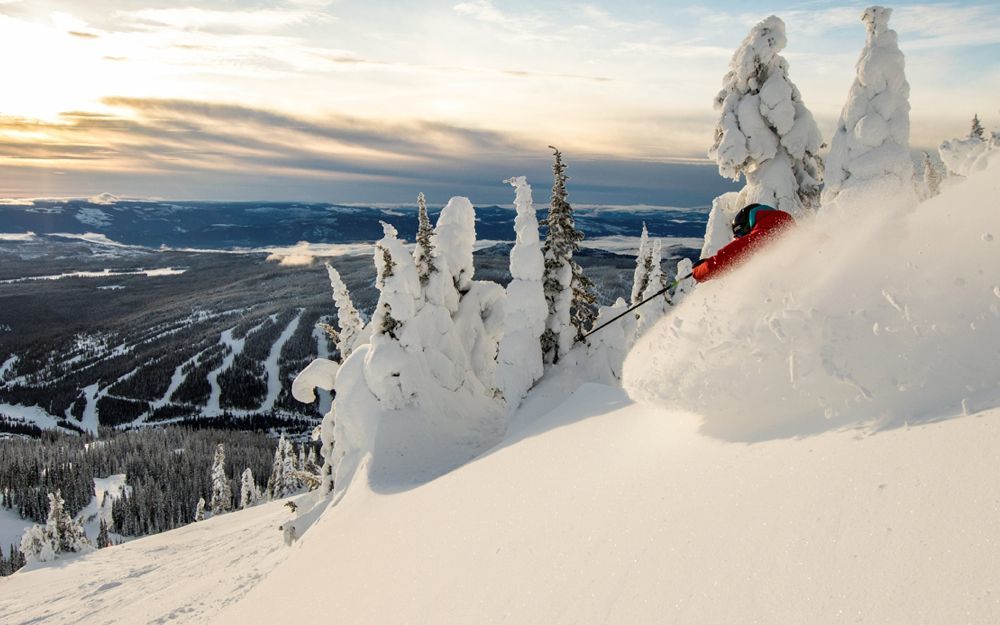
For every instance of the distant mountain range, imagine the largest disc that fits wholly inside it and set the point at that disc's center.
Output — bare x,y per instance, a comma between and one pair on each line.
235,225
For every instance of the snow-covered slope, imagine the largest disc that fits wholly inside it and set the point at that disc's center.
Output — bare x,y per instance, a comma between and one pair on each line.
183,576
601,511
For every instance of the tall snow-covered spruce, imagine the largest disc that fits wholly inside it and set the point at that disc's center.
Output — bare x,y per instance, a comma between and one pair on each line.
976,130
643,266
765,133
568,293
519,360
222,495
932,178
423,252
390,371
348,318
249,494
869,158
655,308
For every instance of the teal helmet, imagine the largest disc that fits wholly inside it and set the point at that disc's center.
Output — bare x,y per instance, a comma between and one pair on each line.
746,219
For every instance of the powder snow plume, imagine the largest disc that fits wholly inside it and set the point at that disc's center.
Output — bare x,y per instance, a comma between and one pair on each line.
862,317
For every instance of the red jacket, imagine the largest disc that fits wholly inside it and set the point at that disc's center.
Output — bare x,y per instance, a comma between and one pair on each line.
768,224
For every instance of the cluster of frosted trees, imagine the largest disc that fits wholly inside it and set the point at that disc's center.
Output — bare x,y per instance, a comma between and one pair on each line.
452,352
291,473
767,136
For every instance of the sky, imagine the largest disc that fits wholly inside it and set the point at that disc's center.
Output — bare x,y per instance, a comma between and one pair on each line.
373,101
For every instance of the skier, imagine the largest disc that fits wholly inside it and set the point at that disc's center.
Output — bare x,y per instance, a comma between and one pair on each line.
754,226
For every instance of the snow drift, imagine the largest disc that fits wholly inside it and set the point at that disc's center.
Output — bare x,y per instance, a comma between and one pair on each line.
862,316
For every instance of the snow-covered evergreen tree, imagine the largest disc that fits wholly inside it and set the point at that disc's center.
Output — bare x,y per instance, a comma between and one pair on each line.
292,483
276,481
520,354
389,370
870,151
423,252
61,534
249,493
977,131
37,545
222,494
653,310
348,318
964,155
568,293
643,265
606,350
686,285
765,132
718,231
584,309
199,510
932,178
103,538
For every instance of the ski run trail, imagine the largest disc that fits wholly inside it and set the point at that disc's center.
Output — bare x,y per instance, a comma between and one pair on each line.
271,364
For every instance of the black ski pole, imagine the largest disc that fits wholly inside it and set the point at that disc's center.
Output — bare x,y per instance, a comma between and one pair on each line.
628,310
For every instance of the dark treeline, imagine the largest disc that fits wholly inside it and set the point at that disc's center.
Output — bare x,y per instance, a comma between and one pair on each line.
167,469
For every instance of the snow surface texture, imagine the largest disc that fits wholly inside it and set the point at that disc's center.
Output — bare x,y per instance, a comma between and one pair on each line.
520,357
765,132
669,526
873,319
870,151
183,576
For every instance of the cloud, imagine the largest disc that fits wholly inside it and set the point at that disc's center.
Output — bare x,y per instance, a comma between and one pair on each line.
201,150
213,20
520,27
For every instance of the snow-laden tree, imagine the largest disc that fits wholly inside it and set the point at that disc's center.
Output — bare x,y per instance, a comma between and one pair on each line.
199,510
977,131
283,481
348,317
103,537
290,471
249,493
765,133
686,285
606,350
222,494
389,370
653,310
643,265
435,378
37,545
964,155
519,360
931,183
61,534
869,156
718,231
423,252
568,294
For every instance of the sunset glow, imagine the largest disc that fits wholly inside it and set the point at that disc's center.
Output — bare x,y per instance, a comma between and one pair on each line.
139,95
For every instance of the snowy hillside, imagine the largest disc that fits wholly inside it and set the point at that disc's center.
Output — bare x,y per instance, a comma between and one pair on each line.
601,511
